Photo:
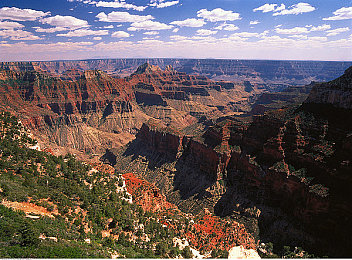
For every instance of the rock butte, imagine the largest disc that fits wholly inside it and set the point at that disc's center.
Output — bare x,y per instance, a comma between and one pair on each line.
197,144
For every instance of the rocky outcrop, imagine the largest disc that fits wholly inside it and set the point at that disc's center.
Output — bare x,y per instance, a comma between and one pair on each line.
337,93
204,231
146,194
239,252
287,170
91,111
162,142
260,71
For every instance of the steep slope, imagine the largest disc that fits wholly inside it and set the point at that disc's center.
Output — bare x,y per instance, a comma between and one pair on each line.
54,207
336,93
90,111
284,174
256,71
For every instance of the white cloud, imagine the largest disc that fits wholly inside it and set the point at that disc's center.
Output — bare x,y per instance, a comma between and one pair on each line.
17,14
162,3
227,27
320,28
50,30
175,30
273,47
295,9
112,4
204,32
254,22
318,39
151,38
97,38
65,21
337,31
83,32
266,8
10,25
280,8
218,15
122,17
295,30
341,14
246,34
119,4
18,35
120,34
178,38
108,27
149,25
299,37
190,22
151,33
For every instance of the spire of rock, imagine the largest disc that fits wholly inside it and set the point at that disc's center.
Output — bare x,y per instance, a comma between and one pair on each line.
169,68
147,68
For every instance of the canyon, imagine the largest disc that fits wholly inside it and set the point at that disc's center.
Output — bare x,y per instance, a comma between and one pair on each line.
237,138
269,73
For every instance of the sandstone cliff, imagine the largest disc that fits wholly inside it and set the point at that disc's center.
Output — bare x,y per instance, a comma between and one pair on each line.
256,71
337,93
91,111
286,174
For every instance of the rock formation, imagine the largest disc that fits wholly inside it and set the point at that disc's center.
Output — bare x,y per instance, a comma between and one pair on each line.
255,71
286,172
90,111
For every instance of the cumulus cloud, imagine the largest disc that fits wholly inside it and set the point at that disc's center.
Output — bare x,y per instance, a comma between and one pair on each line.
227,27
204,32
122,17
295,9
247,34
120,34
254,22
151,33
151,38
163,3
337,31
175,30
218,15
191,22
178,38
83,32
299,37
295,30
17,14
272,47
343,13
119,4
65,21
50,30
112,4
320,28
149,25
18,35
97,38
266,8
282,10
10,25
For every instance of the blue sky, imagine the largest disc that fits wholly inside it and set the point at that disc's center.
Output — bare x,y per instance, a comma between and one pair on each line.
230,29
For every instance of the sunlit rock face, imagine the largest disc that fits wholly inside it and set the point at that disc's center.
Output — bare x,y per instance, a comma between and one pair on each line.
90,110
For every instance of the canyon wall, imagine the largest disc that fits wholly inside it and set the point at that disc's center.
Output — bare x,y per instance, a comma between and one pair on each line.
288,169
260,71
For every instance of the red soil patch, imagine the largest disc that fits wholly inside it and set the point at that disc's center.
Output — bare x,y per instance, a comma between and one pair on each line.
215,233
146,194
28,207
208,232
